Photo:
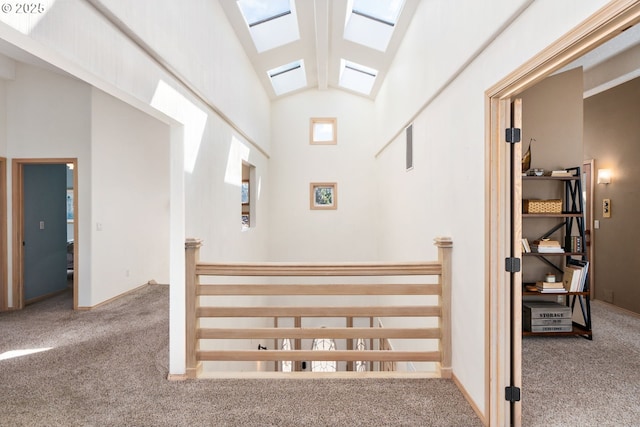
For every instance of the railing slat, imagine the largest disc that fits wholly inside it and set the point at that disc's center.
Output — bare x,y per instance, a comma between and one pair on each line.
315,289
310,333
353,311
319,269
318,355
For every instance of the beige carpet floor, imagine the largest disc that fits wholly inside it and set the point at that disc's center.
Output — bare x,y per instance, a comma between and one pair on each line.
571,381
108,367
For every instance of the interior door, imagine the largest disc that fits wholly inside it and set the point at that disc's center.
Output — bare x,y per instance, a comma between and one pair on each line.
516,253
45,230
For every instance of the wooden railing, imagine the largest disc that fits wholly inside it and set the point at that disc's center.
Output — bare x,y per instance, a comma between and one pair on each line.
441,310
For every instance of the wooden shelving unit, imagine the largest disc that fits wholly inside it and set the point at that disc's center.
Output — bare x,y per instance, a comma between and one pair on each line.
569,220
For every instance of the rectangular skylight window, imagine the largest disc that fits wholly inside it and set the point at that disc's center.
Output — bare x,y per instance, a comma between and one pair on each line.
371,23
272,23
357,77
383,11
256,12
288,77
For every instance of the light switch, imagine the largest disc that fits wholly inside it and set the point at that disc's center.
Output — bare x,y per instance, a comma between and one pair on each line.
41,225
606,208
596,224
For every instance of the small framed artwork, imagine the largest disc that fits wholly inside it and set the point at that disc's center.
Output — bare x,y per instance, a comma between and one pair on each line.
323,195
323,131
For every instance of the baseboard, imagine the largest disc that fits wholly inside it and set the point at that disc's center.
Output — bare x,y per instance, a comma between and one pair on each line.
619,309
467,396
177,377
92,307
349,375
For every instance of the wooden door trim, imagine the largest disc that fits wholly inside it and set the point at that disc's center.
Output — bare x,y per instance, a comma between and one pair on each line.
603,25
4,261
590,248
17,170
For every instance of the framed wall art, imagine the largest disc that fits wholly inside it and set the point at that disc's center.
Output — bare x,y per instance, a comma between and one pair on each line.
323,195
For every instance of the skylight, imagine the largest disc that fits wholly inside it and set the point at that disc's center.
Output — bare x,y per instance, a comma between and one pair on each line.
384,11
272,23
357,77
256,12
371,22
289,77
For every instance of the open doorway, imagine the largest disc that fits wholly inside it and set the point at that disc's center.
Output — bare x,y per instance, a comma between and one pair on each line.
503,361
45,229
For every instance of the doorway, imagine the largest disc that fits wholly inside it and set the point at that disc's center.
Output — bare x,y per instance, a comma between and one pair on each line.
44,220
503,365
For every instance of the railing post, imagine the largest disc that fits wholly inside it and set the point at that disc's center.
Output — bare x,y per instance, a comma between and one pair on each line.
445,245
192,256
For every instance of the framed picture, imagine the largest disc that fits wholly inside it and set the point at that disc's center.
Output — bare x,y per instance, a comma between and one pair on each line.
323,195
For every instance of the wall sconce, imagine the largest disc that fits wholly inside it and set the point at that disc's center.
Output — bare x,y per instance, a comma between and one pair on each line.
604,176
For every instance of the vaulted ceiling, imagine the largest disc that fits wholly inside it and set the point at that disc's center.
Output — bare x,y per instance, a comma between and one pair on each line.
295,45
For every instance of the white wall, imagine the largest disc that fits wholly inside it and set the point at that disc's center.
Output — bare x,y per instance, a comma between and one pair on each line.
3,118
297,232
129,198
74,36
448,183
49,116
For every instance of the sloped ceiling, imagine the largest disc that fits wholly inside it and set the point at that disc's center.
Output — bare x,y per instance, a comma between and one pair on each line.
321,44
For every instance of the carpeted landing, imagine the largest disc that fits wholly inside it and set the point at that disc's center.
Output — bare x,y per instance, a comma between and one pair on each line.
108,367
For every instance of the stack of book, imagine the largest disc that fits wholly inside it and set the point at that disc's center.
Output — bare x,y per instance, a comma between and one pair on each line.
546,316
573,244
551,287
575,275
547,246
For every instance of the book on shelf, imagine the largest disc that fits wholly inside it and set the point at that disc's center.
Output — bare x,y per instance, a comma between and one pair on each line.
561,172
526,248
583,267
551,290
549,285
573,244
547,249
571,278
547,243
547,246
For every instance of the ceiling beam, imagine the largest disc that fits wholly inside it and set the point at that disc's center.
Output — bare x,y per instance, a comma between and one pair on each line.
322,42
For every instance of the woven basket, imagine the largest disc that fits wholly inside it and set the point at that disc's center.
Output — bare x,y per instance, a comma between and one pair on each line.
542,206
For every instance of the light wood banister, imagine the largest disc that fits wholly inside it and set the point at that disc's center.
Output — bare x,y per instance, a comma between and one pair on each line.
192,255
319,269
418,308
332,289
309,333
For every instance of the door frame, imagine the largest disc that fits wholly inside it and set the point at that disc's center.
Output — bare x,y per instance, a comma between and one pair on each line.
588,167
603,25
4,263
17,169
